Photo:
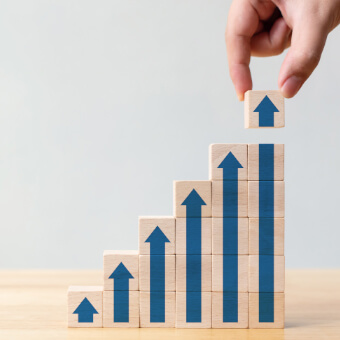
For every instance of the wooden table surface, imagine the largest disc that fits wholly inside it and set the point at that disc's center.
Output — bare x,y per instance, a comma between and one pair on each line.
33,306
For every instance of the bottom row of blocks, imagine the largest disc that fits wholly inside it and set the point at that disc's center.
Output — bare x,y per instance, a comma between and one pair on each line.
93,307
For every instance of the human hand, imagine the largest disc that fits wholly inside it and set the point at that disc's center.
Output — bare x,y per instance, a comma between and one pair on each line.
265,28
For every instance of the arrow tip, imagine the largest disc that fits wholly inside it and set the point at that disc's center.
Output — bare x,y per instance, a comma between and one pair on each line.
230,161
157,236
85,307
121,272
193,199
266,105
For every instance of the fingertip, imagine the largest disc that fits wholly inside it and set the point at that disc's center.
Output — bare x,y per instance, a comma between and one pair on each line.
291,86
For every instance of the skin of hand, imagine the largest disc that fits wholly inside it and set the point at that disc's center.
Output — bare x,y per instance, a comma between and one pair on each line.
264,28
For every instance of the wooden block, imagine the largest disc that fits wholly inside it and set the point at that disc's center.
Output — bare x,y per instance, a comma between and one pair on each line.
219,320
236,229
115,313
189,196
272,162
267,248
254,312
147,226
279,273
217,198
85,306
170,271
148,320
228,155
204,313
181,272
113,258
268,207
204,237
264,109
230,262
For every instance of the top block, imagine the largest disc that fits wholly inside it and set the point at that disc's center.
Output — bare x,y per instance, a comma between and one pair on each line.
228,162
264,109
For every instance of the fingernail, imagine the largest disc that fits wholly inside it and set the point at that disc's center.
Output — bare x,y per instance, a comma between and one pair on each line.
291,86
240,97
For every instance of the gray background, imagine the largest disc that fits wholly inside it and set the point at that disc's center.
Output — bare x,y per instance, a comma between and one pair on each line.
104,103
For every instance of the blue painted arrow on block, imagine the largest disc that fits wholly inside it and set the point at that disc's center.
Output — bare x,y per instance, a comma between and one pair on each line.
121,277
157,241
193,204
230,166
85,311
266,111
266,233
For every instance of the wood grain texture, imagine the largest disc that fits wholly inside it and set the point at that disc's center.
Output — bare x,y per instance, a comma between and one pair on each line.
279,235
130,259
181,263
217,199
253,98
147,225
217,311
170,311
181,191
279,273
144,272
279,198
279,313
217,272
218,152
108,304
253,162
181,311
35,309
181,235
75,295
217,236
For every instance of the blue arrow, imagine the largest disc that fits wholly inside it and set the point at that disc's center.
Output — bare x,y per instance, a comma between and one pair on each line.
85,311
157,241
230,166
266,111
266,233
121,277
193,204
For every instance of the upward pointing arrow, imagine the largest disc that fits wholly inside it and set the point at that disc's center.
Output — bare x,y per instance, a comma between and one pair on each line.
121,277
266,111
193,203
85,311
157,240
230,166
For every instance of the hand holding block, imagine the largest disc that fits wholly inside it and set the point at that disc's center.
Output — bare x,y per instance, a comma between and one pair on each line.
192,198
118,265
121,309
264,109
157,311
195,233
163,270
225,317
193,273
271,317
236,269
195,313
228,162
152,230
266,162
85,306
229,199
266,274
272,236
266,198
229,236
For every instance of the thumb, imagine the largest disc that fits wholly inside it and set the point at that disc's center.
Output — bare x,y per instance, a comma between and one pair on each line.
307,44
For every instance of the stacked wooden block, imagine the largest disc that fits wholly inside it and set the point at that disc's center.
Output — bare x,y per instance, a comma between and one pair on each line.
217,263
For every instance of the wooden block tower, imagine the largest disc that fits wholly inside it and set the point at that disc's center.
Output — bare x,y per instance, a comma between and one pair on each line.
219,261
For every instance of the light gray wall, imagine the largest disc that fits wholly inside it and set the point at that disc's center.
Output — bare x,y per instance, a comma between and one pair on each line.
104,103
